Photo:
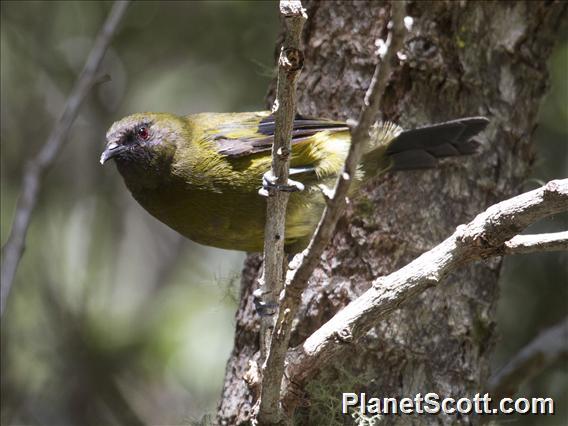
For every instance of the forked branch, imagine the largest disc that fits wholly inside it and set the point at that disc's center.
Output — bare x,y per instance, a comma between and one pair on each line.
484,237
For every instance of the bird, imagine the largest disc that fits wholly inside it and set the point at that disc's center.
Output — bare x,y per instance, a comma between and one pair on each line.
200,174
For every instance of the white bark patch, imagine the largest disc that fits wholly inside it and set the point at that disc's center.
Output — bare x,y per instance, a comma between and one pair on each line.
507,85
516,28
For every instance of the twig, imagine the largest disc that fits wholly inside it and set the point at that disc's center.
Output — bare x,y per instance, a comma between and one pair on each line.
289,67
359,137
480,239
13,249
523,244
297,279
548,347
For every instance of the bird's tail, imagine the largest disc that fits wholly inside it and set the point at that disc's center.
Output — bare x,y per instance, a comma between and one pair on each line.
420,148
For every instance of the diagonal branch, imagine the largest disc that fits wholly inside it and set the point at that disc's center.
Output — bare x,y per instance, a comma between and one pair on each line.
482,238
297,279
547,348
35,170
359,137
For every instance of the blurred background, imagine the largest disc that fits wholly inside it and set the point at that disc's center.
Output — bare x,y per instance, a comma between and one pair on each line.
114,318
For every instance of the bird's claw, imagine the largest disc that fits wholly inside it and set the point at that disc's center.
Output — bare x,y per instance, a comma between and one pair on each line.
264,309
269,185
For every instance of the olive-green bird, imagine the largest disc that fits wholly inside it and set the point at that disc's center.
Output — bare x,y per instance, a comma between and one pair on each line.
200,174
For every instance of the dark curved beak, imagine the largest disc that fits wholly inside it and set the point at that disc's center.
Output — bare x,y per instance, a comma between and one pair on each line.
112,150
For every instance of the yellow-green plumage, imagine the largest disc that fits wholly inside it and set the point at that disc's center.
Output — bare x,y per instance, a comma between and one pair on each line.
201,174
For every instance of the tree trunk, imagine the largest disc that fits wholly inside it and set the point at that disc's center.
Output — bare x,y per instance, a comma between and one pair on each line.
463,59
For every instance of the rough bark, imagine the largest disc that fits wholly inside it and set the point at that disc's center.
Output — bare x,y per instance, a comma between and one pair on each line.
466,59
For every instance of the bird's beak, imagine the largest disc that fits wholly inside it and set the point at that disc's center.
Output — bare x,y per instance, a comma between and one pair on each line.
112,150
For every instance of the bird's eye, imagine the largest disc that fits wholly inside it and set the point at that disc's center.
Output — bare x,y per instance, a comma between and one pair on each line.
143,133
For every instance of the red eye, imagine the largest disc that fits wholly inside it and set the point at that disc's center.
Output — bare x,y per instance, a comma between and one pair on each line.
143,133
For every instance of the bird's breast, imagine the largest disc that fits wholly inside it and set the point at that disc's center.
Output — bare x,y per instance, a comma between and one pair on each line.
222,218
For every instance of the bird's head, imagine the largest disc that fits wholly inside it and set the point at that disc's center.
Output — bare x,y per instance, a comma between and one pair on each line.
140,138
143,145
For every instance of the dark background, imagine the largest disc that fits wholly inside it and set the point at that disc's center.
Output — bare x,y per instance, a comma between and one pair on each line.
113,316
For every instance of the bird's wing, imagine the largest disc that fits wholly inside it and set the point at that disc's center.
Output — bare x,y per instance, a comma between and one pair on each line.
248,134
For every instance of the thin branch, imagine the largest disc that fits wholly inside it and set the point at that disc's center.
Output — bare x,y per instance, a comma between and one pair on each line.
297,279
523,244
359,137
547,348
480,239
35,170
289,67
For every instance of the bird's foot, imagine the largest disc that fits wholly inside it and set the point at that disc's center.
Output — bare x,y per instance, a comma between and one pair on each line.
264,309
269,185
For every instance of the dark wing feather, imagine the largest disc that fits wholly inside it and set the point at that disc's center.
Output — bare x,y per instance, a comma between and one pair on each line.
243,146
262,137
420,148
